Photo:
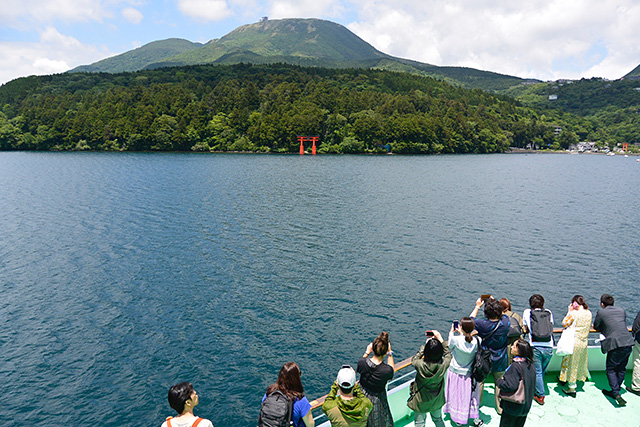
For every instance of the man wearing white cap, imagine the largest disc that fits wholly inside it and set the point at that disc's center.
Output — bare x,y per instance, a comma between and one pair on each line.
346,405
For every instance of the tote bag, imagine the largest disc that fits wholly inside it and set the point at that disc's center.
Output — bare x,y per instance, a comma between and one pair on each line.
566,342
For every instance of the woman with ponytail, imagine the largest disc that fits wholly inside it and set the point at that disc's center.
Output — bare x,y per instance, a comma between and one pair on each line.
461,394
374,375
515,414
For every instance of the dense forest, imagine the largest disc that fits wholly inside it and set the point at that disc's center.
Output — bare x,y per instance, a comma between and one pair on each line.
263,108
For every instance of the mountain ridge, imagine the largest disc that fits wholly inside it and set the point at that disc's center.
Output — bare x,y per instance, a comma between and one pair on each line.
140,57
307,42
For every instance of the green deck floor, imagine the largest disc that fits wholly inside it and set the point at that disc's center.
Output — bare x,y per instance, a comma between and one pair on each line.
589,409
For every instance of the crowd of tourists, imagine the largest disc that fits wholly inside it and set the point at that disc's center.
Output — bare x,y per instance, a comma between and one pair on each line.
450,374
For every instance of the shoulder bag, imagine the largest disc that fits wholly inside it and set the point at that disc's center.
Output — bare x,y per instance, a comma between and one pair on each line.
515,396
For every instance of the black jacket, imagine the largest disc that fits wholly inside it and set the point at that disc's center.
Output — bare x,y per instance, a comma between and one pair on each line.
509,383
612,322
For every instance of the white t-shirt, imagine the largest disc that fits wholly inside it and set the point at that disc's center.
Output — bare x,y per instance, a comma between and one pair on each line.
179,423
526,317
462,353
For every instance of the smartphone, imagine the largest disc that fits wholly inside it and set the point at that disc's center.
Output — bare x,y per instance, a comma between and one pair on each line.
456,324
485,297
429,334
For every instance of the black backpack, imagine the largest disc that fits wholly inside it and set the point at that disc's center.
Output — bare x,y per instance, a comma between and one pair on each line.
481,366
541,326
276,411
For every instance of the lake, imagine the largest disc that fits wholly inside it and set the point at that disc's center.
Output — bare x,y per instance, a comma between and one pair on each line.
124,273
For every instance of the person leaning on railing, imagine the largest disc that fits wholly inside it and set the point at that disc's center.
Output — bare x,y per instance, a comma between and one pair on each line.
612,322
575,366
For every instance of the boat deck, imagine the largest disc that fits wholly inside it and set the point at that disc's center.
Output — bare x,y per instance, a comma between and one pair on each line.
589,409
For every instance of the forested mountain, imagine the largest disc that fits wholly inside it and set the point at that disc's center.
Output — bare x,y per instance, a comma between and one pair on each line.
304,42
613,105
263,107
633,74
140,58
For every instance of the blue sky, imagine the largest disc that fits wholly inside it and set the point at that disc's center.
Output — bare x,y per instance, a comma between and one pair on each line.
545,39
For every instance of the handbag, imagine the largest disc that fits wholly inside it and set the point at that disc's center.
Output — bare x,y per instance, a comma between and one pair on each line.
515,396
567,341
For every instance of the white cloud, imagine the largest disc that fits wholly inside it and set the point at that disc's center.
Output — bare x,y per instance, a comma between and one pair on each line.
50,66
53,53
205,10
304,8
132,15
546,39
18,13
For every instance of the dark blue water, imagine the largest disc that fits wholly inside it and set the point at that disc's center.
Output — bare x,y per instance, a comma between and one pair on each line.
122,274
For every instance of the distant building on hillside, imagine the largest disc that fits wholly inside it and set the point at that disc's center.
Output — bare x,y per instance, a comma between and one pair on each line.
264,18
553,97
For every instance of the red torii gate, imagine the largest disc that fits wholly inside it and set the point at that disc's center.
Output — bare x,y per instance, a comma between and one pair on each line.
302,139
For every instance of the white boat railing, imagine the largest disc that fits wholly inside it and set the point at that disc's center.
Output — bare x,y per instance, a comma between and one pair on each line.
397,387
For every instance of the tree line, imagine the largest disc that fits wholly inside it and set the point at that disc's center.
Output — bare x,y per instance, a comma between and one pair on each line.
262,108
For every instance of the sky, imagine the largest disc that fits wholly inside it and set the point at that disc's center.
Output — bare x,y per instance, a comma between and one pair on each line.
542,39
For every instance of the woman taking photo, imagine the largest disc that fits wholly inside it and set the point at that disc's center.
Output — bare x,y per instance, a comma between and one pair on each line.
574,366
289,383
427,392
462,398
374,375
515,414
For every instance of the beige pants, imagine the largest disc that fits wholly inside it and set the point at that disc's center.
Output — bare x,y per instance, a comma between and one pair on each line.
635,382
496,375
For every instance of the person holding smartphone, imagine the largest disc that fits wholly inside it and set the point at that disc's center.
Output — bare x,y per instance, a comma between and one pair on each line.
374,375
494,331
462,399
427,392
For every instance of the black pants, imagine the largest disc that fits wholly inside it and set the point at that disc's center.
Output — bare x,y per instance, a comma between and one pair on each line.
507,420
616,367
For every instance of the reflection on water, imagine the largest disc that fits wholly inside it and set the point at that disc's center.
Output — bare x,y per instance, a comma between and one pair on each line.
123,274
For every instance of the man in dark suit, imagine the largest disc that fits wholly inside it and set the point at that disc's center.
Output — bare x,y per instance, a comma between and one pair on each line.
612,323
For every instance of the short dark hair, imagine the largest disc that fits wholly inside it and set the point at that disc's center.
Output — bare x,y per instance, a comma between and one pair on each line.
606,300
179,394
525,350
433,350
536,301
492,309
